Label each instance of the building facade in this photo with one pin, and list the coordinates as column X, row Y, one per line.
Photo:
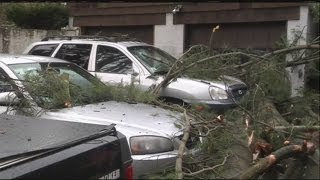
column 175, row 27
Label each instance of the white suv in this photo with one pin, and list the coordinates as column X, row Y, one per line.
column 144, row 65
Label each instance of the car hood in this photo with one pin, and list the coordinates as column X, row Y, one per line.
column 130, row 119
column 196, row 89
column 222, row 82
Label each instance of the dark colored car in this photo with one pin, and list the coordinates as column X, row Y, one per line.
column 49, row 149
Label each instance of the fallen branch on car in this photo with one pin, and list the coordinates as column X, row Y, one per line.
column 178, row 67
column 186, row 132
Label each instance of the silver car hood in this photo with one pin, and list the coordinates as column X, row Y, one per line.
column 223, row 81
column 195, row 89
column 130, row 119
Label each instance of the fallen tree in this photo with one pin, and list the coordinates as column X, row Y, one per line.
column 274, row 133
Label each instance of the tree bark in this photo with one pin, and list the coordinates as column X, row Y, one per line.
column 179, row 172
column 265, row 163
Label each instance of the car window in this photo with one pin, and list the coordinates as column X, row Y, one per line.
column 111, row 60
column 43, row 49
column 69, row 81
column 75, row 53
column 5, row 85
column 22, row 70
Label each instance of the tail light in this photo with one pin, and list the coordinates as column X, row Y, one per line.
column 128, row 172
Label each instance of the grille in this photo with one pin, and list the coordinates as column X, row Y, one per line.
column 192, row 141
column 238, row 90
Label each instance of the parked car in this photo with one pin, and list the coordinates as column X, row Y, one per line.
column 35, row 148
column 142, row 64
column 151, row 131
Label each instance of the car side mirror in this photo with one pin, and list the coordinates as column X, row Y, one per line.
column 8, row 98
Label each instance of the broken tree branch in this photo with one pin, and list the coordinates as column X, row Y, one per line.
column 290, row 49
column 298, row 128
column 296, row 63
column 288, row 151
column 178, row 168
column 208, row 169
column 270, row 114
column 178, row 68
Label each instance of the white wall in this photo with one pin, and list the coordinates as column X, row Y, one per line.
column 169, row 37
column 15, row 40
column 297, row 73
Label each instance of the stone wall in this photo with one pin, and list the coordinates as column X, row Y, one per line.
column 14, row 40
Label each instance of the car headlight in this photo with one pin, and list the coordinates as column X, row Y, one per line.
column 141, row 145
column 217, row 93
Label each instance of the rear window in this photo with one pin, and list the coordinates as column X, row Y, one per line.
column 75, row 53
column 43, row 49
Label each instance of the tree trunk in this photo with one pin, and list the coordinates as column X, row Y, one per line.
column 288, row 151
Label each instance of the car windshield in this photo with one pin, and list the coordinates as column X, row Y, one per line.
column 54, row 85
column 154, row 59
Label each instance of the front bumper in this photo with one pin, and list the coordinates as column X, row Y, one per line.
column 144, row 165
column 217, row 105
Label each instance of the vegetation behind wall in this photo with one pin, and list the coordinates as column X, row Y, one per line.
column 48, row 16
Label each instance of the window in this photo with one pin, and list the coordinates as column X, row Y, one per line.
column 43, row 50
column 79, row 87
column 154, row 59
column 5, row 86
column 75, row 53
column 112, row 60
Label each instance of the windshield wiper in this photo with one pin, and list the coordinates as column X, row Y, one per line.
column 150, row 57
column 7, row 162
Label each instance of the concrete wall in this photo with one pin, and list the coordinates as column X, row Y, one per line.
column 297, row 73
column 14, row 40
column 169, row 37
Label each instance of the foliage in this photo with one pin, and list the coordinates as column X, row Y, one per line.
column 52, row 91
column 266, row 75
column 270, row 74
column 37, row 15
column 315, row 10
column 130, row 94
column 299, row 109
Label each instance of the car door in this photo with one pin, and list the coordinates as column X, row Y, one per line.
column 112, row 66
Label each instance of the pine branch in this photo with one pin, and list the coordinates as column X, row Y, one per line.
column 207, row 169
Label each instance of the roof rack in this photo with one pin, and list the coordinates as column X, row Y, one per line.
column 95, row 38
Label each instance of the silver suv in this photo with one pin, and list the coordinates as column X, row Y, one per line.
column 139, row 63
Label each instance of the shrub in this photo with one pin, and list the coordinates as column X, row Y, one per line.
column 47, row 16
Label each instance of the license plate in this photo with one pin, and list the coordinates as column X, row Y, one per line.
column 113, row 175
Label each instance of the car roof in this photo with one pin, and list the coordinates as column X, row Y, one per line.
column 122, row 43
column 18, row 128
column 19, row 59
